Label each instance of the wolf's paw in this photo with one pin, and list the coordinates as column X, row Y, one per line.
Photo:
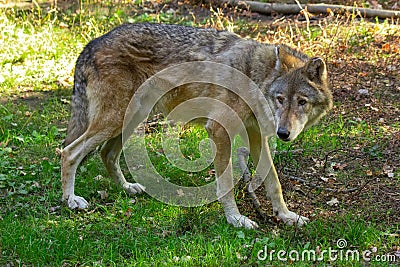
column 291, row 218
column 241, row 221
column 77, row 202
column 135, row 188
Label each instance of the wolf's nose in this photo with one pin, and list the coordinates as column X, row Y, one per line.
column 283, row 133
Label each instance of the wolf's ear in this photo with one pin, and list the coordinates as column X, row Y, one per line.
column 315, row 70
column 287, row 58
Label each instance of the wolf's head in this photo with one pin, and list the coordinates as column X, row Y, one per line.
column 300, row 95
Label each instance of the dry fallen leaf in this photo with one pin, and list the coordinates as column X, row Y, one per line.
column 333, row 202
column 388, row 170
column 99, row 178
column 103, row 194
column 325, row 179
column 386, row 47
column 53, row 209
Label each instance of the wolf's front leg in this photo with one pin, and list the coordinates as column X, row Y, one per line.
column 261, row 155
column 274, row 192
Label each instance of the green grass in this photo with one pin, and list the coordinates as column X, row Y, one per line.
column 37, row 55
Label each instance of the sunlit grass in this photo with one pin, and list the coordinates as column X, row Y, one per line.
column 38, row 51
column 35, row 58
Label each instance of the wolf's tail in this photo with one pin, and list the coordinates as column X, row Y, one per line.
column 79, row 107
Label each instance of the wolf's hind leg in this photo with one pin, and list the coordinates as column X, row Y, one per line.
column 110, row 154
column 223, row 167
column 71, row 157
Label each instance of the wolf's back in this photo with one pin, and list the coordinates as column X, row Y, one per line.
column 142, row 49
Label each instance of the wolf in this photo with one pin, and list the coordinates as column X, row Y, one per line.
column 112, row 67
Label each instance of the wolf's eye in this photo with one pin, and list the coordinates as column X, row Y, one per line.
column 302, row 102
column 280, row 99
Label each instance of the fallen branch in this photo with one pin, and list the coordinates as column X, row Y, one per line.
column 243, row 155
column 288, row 9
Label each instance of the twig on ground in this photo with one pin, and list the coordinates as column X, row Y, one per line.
column 243, row 155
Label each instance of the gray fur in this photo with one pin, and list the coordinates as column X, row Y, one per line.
column 112, row 67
